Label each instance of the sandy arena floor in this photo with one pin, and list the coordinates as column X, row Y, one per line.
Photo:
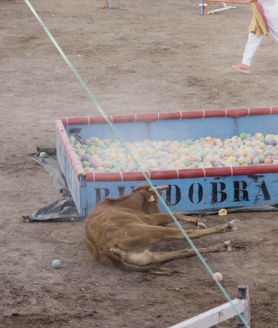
column 140, row 56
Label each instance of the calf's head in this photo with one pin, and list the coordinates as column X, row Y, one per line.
column 145, row 199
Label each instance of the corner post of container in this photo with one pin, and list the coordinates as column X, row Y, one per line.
column 243, row 294
column 83, row 195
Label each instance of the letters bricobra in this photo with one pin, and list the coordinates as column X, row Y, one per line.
column 205, row 193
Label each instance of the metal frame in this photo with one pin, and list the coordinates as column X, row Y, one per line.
column 204, row 5
column 222, row 313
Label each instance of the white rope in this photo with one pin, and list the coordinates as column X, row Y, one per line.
column 157, row 116
column 67, row 121
column 248, row 112
column 177, row 174
column 204, row 115
column 226, row 113
column 135, row 118
column 204, row 172
column 88, row 120
column 94, row 176
column 232, row 172
column 111, row 118
column 181, row 115
column 121, row 176
column 270, row 110
column 149, row 174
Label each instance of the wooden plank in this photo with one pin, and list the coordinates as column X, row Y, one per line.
column 213, row 316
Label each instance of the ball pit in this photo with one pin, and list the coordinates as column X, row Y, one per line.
column 111, row 156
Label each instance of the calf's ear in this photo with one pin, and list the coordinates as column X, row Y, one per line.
column 152, row 199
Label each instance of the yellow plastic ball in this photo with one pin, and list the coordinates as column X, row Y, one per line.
column 247, row 150
column 241, row 160
column 269, row 136
column 172, row 149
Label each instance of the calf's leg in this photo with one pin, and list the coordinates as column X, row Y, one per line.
column 162, row 219
column 141, row 237
column 155, row 259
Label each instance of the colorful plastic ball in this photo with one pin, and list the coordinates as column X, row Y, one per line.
column 255, row 161
column 89, row 151
column 93, row 165
column 43, row 154
column 267, row 153
column 247, row 161
column 56, row 264
column 241, row 160
column 242, row 136
column 191, row 158
column 267, row 161
column 85, row 157
column 85, row 164
column 272, row 142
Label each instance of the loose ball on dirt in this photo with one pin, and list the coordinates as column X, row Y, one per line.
column 43, row 154
column 56, row 264
column 218, row 276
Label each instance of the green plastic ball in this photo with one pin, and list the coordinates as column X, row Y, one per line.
column 242, row 136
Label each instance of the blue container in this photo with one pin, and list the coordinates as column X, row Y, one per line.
column 189, row 189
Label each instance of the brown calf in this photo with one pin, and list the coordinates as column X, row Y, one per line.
column 121, row 231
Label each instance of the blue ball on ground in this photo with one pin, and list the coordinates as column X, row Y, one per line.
column 56, row 264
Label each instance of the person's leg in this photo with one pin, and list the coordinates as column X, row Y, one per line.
column 250, row 48
column 273, row 25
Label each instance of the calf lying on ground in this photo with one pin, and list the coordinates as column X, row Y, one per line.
column 121, row 231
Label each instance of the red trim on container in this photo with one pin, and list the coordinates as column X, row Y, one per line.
column 184, row 174
column 72, row 156
column 150, row 117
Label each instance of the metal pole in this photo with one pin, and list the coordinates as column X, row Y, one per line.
column 202, row 7
column 243, row 294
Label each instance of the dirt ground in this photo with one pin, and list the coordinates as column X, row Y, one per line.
column 140, row 56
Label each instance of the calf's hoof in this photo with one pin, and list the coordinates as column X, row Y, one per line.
column 121, row 254
column 230, row 226
column 201, row 225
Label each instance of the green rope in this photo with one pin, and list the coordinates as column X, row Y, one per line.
column 145, row 176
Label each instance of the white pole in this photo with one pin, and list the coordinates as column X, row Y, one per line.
column 213, row 316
